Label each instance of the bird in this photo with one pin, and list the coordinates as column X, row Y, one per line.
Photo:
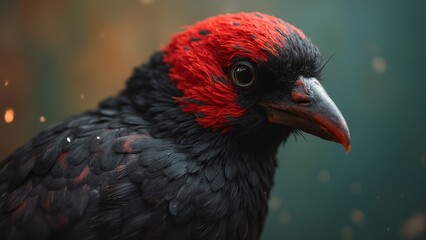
column 187, row 150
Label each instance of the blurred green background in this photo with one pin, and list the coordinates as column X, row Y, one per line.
column 58, row 58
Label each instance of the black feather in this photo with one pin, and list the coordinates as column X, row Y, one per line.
column 141, row 168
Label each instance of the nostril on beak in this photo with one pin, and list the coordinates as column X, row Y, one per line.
column 301, row 98
column 300, row 94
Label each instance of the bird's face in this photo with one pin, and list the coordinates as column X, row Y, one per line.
column 249, row 71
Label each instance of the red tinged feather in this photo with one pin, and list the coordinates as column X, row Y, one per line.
column 49, row 201
column 208, row 93
column 62, row 221
column 62, row 160
column 81, row 176
column 130, row 144
column 19, row 211
column 24, row 212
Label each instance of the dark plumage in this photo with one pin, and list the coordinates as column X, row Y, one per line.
column 186, row 151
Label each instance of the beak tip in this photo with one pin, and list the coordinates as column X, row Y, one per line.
column 346, row 142
column 347, row 147
column 344, row 136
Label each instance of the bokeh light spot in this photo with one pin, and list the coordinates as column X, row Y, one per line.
column 274, row 203
column 284, row 217
column 423, row 160
column 9, row 115
column 357, row 216
column 346, row 233
column 414, row 227
column 379, row 64
column 324, row 176
column 42, row 119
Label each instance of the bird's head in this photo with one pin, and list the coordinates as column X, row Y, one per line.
column 249, row 72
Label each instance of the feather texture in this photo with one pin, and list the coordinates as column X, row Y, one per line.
column 179, row 154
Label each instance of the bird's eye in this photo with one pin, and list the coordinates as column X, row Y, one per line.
column 243, row 74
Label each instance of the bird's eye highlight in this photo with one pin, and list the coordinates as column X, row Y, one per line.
column 243, row 74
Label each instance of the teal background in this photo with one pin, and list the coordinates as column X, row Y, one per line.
column 62, row 57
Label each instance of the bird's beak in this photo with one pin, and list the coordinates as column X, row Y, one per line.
column 310, row 109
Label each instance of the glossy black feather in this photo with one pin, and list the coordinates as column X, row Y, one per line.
column 139, row 168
